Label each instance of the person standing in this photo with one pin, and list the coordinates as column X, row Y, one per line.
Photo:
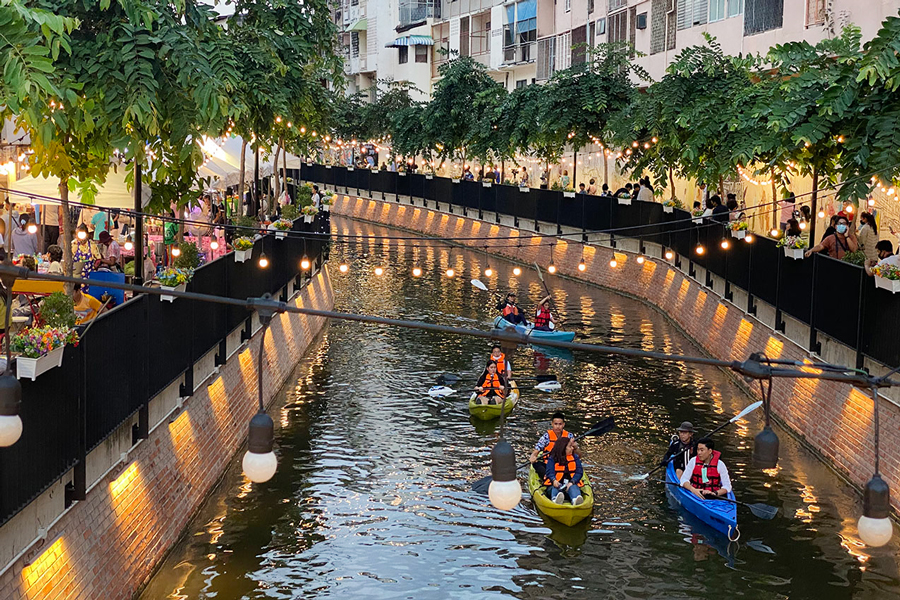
column 646, row 193
column 592, row 187
column 50, row 220
column 867, row 234
column 23, row 241
column 842, row 241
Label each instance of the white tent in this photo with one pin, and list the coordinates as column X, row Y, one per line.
column 112, row 194
column 224, row 163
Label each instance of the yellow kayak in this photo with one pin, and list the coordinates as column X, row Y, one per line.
column 566, row 513
column 486, row 412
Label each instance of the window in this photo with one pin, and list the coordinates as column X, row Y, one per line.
column 716, row 10
column 403, row 57
column 421, row 54
column 579, row 39
column 671, row 24
column 354, row 44
column 464, row 36
column 632, row 32
column 520, row 83
column 590, row 6
column 618, row 27
column 658, row 26
column 735, row 8
column 692, row 12
column 616, row 4
column 601, row 26
column 815, row 12
column 762, row 15
column 526, row 21
column 564, row 51
column 568, row 5
column 592, row 34
column 545, row 66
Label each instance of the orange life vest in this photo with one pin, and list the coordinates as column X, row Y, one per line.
column 510, row 309
column 565, row 471
column 501, row 362
column 713, row 481
column 552, row 435
column 492, row 382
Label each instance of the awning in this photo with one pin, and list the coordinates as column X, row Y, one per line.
column 360, row 25
column 411, row 40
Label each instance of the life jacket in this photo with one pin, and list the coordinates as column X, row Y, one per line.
column 553, row 437
column 492, row 382
column 510, row 309
column 565, row 471
column 542, row 318
column 713, row 481
column 501, row 363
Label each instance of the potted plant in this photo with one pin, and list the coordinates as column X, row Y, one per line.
column 173, row 279
column 40, row 349
column 189, row 258
column 624, row 199
column 309, row 213
column 290, row 212
column 328, row 200
column 670, row 205
column 793, row 245
column 282, row 226
column 738, row 229
column 697, row 216
column 887, row 277
column 243, row 248
column 58, row 310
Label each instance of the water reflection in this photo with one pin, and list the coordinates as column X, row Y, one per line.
column 372, row 493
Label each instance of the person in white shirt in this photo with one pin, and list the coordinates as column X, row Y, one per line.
column 705, row 475
column 886, row 256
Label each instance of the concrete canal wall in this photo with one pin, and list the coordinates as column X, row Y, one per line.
column 141, row 497
column 835, row 420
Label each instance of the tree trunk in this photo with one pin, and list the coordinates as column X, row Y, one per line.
column 256, row 199
column 605, row 167
column 574, row 168
column 138, row 278
column 67, row 229
column 814, row 208
column 179, row 237
column 240, row 206
column 774, row 200
column 284, row 166
column 277, row 182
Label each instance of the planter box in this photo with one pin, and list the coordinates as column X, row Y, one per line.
column 242, row 255
column 795, row 253
column 327, row 166
column 308, row 218
column 177, row 288
column 624, row 201
column 891, row 285
column 429, row 176
column 523, row 188
column 568, row 194
column 280, row 235
column 485, row 184
column 375, row 170
column 31, row 368
column 455, row 180
column 326, row 207
column 350, row 169
column 697, row 220
column 739, row 234
column 668, row 209
column 401, row 174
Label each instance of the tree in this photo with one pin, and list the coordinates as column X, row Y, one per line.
column 524, row 122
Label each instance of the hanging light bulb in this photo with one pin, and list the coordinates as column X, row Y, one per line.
column 821, row 214
column 176, row 251
column 505, row 492
column 765, row 449
column 417, row 272
column 725, row 244
column 774, row 232
column 129, row 246
column 10, row 421
column 749, row 238
column 551, row 269
column 582, row 266
column 32, row 228
column 450, row 273
column 379, row 271
column 874, row 526
column 214, row 245
column 81, row 235
column 517, row 271
column 871, row 201
column 263, row 260
column 304, row 262
column 259, row 463
column 640, row 259
column 803, row 225
column 613, row 263
column 849, row 209
column 700, row 250
column 489, row 272
column 343, row 268
column 669, row 255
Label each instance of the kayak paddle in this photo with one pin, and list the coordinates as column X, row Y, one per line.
column 763, row 511
column 747, row 410
column 452, row 378
column 481, row 486
column 479, row 285
column 441, row 391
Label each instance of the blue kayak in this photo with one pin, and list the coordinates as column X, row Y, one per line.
column 537, row 334
column 718, row 514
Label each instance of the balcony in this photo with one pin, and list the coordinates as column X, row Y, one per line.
column 416, row 11
column 520, row 53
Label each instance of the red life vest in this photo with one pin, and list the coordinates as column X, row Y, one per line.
column 714, row 481
column 510, row 309
column 501, row 363
column 492, row 382
column 542, row 318
column 565, row 471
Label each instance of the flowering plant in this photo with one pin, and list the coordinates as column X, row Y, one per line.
column 309, row 211
column 243, row 243
column 625, row 196
column 887, row 271
column 795, row 242
column 173, row 277
column 670, row 202
column 282, row 225
column 35, row 342
column 738, row 225
column 328, row 197
column 697, row 212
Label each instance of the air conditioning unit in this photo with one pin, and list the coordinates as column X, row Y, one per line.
column 641, row 22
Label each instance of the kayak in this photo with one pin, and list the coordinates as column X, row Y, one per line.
column 566, row 513
column 718, row 514
column 530, row 331
column 486, row 412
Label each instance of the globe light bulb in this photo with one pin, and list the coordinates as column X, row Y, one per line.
column 803, row 225
column 505, row 495
column 517, row 271
column 669, row 255
column 505, row 492
column 417, row 272
column 849, row 209
column 774, row 232
column 821, row 214
column 582, row 266
column 489, row 272
column 551, row 269
column 640, row 259
column 450, row 273
column 10, row 430
column 214, row 245
column 32, row 228
column 874, row 532
column 700, row 250
column 263, row 260
column 749, row 238
column 379, row 271
column 871, row 201
column 343, row 268
column 82, row 235
column 129, row 246
column 613, row 263
column 259, row 468
column 725, row 244
column 304, row 263
column 176, row 251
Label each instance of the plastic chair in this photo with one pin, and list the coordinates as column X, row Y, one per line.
column 97, row 291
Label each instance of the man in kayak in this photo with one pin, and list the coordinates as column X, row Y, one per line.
column 705, row 475
column 491, row 386
column 498, row 357
column 510, row 311
column 543, row 317
column 681, row 448
column 556, row 432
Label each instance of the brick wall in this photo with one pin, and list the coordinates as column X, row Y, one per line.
column 108, row 545
column 834, row 419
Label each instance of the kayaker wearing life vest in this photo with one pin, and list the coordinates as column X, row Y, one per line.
column 543, row 317
column 509, row 310
column 565, row 473
column 681, row 448
column 498, row 357
column 705, row 475
column 491, row 386
column 548, row 442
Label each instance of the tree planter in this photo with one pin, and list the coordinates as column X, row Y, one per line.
column 242, row 255
column 308, row 218
column 891, row 285
column 280, row 235
column 485, row 184
column 625, row 201
column 568, row 194
column 697, row 220
column 178, row 288
column 31, row 368
column 668, row 209
column 739, row 234
column 795, row 253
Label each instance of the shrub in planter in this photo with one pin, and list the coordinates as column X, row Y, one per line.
column 282, row 225
column 290, row 211
column 794, row 242
column 58, row 310
column 857, row 257
column 173, row 276
column 248, row 225
column 189, row 257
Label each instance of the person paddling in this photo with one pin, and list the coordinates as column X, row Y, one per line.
column 565, row 474
column 510, row 311
column 705, row 475
column 681, row 448
column 491, row 386
column 547, row 442
column 497, row 356
column 543, row 317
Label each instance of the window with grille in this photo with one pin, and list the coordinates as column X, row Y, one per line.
column 716, row 10
column 564, row 51
column 403, row 55
column 520, row 83
column 421, row 54
column 632, row 31
column 545, row 58
column 762, row 15
column 617, row 4
column 592, row 34
column 618, row 27
column 692, row 12
column 658, row 26
column 671, row 24
column 815, row 12
column 464, row 36
column 579, row 39
column 354, row 43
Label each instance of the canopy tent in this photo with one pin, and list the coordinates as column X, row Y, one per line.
column 359, row 25
column 224, row 162
column 112, row 194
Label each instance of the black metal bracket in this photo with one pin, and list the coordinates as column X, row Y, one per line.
column 222, row 352
column 751, row 305
column 729, row 295
column 779, row 321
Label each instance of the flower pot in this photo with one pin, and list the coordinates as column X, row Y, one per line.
column 738, row 234
column 485, row 184
column 454, row 180
column 568, row 194
column 697, row 220
column 280, row 235
column 668, row 209
column 242, row 255
column 625, row 201
column 891, row 285
column 326, row 207
column 178, row 288
column 308, row 218
column 429, row 176
column 795, row 253
column 31, row 368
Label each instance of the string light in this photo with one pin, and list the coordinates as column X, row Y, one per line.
column 803, row 225
column 304, row 263
column 450, row 273
column 129, row 246
column 849, row 208
column 749, row 238
column 725, row 244
column 613, row 263
column 176, row 251
column 774, row 232
column 871, row 201
column 343, row 268
column 582, row 266
column 517, row 271
column 81, row 235
column 417, row 272
column 379, row 271
column 551, row 269
column 32, row 228
column 821, row 214
column 640, row 259
column 700, row 250
column 213, row 245
column 669, row 255
column 746, row 177
column 488, row 272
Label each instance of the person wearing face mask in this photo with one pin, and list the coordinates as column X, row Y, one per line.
column 842, row 241
column 867, row 235
column 886, row 257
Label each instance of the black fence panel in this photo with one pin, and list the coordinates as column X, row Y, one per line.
column 167, row 322
column 795, row 286
column 546, row 205
column 330, row 176
column 572, row 210
column 403, row 187
column 597, row 213
column 651, row 216
column 763, row 282
column 716, row 255
column 837, row 306
column 441, row 189
column 488, row 197
column 210, row 320
column 506, row 199
column 469, row 194
column 525, row 205
column 881, row 316
column 417, row 187
column 737, row 267
column 363, row 179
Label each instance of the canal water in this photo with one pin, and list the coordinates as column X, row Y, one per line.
column 372, row 495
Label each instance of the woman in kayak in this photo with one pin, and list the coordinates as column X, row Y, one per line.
column 491, row 386
column 498, row 357
column 564, row 474
column 543, row 317
column 510, row 311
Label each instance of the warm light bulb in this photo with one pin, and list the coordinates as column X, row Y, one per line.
column 849, row 208
column 450, row 272
column 214, row 245
column 32, row 228
column 551, row 269
column 613, row 263
column 263, row 260
column 875, row 532
column 304, row 264
column 700, row 249
column 582, row 266
column 417, row 272
column 129, row 246
column 379, row 271
column 505, row 495
column 517, row 271
column 82, row 235
column 748, row 238
column 803, row 225
column 343, row 268
column 640, row 259
column 10, row 430
column 176, row 251
column 821, row 214
column 871, row 201
column 725, row 244
column 259, row 468
column 489, row 272
column 774, row 233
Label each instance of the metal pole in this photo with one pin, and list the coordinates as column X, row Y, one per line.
column 138, row 277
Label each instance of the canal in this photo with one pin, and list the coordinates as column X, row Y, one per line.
column 372, row 499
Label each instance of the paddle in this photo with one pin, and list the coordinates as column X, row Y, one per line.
column 763, row 511
column 452, row 378
column 442, row 391
column 481, row 486
column 747, row 410
column 546, row 289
